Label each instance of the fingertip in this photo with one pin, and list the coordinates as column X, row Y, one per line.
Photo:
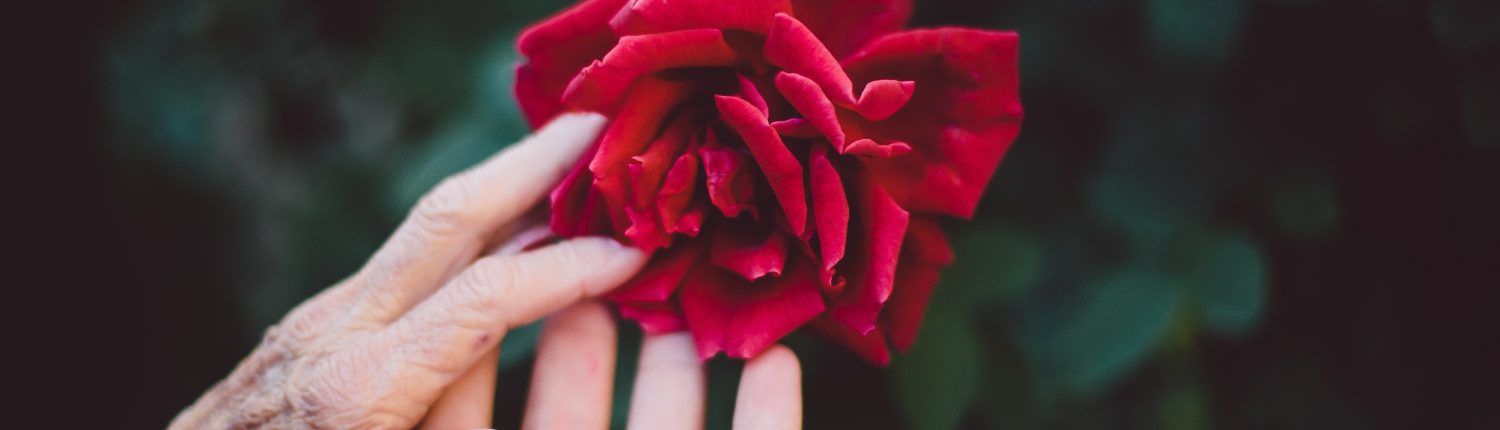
column 579, row 127
column 613, row 256
column 777, row 362
column 592, row 264
column 770, row 393
column 670, row 384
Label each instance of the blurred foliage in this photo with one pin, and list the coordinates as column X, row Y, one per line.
column 1180, row 162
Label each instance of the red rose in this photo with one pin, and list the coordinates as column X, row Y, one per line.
column 785, row 159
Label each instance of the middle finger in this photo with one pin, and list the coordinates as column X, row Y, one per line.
column 574, row 375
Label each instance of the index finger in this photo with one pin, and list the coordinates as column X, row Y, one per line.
column 450, row 225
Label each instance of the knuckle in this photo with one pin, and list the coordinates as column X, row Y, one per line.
column 489, row 281
column 446, row 209
column 342, row 392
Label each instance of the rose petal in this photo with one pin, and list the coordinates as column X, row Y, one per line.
column 958, row 126
column 676, row 196
column 875, row 249
column 741, row 318
column 637, row 123
column 654, row 16
column 575, row 202
column 796, row 127
column 882, row 98
column 923, row 257
column 753, row 251
column 869, row 346
column 662, row 275
column 645, row 229
column 614, row 191
column 752, row 94
column 691, row 221
column 602, row 82
column 728, row 178
column 654, row 318
column 771, row 154
column 648, row 170
column 555, row 50
column 830, row 211
column 869, row 148
column 809, row 100
column 847, row 25
column 793, row 47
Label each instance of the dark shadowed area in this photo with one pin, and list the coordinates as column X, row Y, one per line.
column 1241, row 214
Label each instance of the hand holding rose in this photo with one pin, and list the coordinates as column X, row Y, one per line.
column 412, row 338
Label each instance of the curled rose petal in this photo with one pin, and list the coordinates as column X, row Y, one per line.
column 728, row 178
column 793, row 47
column 602, row 82
column 655, row 16
column 648, row 170
column 795, row 127
column 575, row 203
column 750, row 250
column 675, row 200
column 846, row 25
column 869, row 148
column 645, row 230
column 958, row 126
column 809, row 100
column 882, row 98
column 871, row 267
column 777, row 162
column 830, row 211
column 637, row 123
column 751, row 94
column 923, row 257
column 660, row 278
column 871, row 346
column 556, row 49
column 741, row 318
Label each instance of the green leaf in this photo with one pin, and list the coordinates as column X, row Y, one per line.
column 1117, row 322
column 992, row 263
column 935, row 382
column 1007, row 398
column 1228, row 273
column 1165, row 166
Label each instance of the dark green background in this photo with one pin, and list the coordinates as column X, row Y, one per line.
column 1255, row 214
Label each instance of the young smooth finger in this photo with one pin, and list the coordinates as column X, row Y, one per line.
column 451, row 224
column 575, row 370
column 770, row 396
column 670, row 385
column 468, row 403
column 450, row 330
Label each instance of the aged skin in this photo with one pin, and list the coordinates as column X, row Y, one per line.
column 412, row 338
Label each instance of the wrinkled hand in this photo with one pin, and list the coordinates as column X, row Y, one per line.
column 413, row 337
